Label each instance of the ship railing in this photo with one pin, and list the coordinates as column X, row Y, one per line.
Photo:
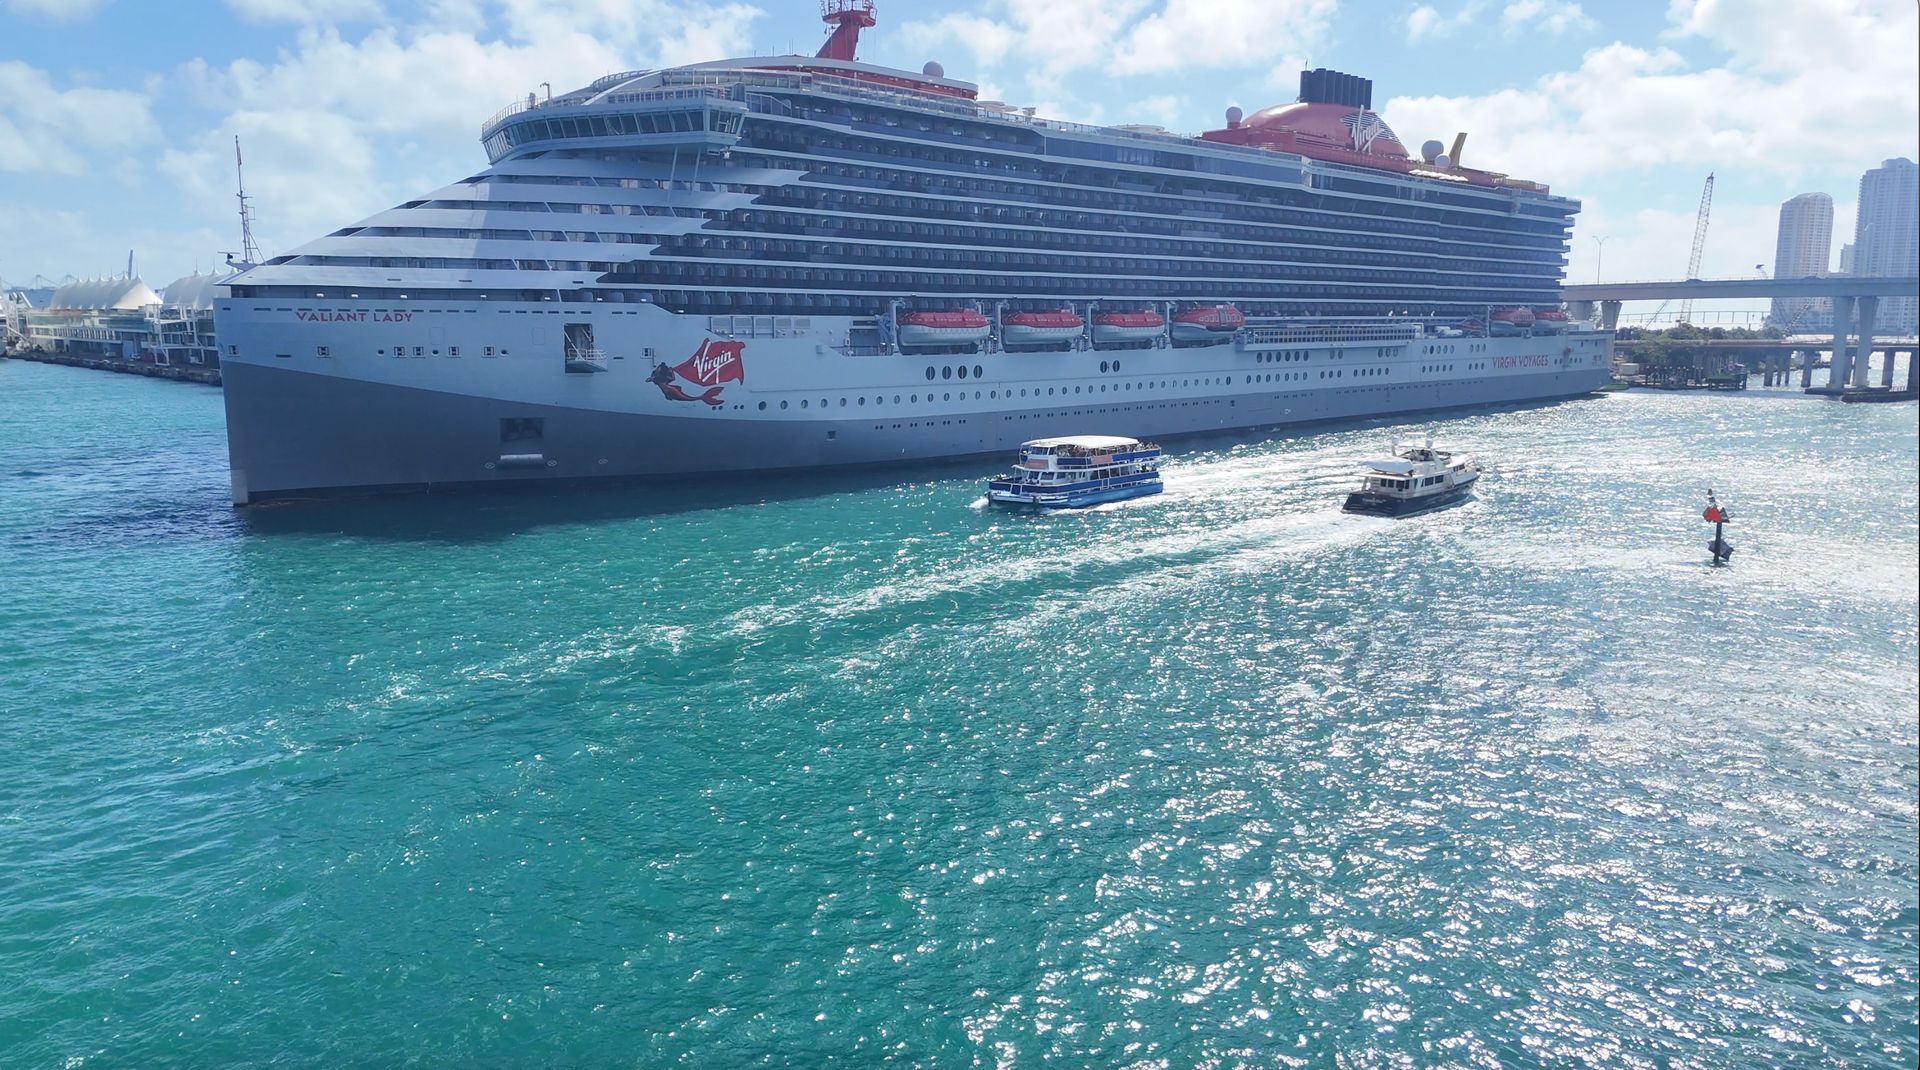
column 1276, row 337
column 586, row 360
column 606, row 82
column 637, row 97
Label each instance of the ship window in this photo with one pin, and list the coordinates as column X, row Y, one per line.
column 763, row 406
column 946, row 397
column 803, row 403
column 963, row 371
column 896, row 399
column 929, row 371
column 1116, row 365
column 976, row 371
column 843, row 402
column 1103, row 366
column 783, row 404
column 946, row 373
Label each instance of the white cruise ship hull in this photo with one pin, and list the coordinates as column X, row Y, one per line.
column 318, row 403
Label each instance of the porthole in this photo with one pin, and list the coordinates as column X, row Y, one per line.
column 976, row 371
column 763, row 406
column 896, row 399
column 992, row 395
column 946, row 397
column 803, row 403
column 963, row 371
column 1049, row 391
column 823, row 402
column 1103, row 367
column 946, row 373
column 783, row 404
column 843, row 401
column 1076, row 390
column 915, row 399
column 1116, row 366
column 929, row 371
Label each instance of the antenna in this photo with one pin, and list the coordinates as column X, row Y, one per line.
column 1699, row 245
column 249, row 252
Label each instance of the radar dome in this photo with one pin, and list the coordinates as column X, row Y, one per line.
column 1234, row 115
column 1431, row 149
column 933, row 69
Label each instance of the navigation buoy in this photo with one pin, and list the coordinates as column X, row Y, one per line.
column 1718, row 516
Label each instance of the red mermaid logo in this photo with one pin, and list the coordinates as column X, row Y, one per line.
column 713, row 364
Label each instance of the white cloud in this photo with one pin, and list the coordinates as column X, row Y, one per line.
column 57, row 9
column 1514, row 19
column 339, row 128
column 1554, row 16
column 1184, row 34
column 1055, row 37
column 1854, row 95
column 307, row 12
column 43, row 128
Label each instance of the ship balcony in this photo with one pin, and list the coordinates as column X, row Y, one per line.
column 586, row 361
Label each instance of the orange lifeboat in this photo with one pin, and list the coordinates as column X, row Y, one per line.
column 1510, row 321
column 1039, row 328
column 1211, row 323
column 1137, row 326
column 1549, row 321
column 954, row 327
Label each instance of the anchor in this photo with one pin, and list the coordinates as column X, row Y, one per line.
column 1718, row 516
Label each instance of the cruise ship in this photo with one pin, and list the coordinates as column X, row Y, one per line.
column 807, row 261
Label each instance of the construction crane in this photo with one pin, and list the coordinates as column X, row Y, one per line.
column 1699, row 245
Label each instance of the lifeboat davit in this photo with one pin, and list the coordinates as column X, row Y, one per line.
column 956, row 327
column 1549, row 321
column 1137, row 326
column 1037, row 328
column 1213, row 323
column 1510, row 321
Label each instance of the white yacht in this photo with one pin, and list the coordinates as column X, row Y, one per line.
column 1413, row 480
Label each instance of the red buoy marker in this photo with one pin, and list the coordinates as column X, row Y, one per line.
column 1718, row 516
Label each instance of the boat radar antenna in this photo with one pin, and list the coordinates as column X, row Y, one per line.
column 249, row 251
column 848, row 18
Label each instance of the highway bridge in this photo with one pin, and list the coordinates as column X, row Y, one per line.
column 1856, row 306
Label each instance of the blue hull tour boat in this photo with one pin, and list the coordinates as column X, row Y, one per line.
column 1077, row 471
column 1413, row 480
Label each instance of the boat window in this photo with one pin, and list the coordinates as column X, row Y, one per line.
column 783, row 404
column 763, row 406
column 946, row 373
column 1116, row 365
column 976, row 371
column 803, row 403
column 929, row 371
column 963, row 371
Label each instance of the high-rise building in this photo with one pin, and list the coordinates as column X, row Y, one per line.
column 1804, row 248
column 1846, row 259
column 1886, row 237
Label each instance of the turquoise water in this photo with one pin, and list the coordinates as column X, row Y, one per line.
column 850, row 770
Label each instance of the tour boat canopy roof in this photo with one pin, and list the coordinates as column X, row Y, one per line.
column 1396, row 466
column 1085, row 442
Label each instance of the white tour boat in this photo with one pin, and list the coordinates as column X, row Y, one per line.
column 1079, row 470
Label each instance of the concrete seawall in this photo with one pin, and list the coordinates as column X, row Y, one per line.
column 186, row 373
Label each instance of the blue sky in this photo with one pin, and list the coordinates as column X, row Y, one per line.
column 117, row 118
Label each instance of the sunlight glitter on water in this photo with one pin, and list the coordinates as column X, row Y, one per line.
column 844, row 767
